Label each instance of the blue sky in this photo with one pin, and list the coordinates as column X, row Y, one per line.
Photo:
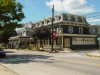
column 36, row 10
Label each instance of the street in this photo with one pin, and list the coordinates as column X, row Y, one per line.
column 43, row 63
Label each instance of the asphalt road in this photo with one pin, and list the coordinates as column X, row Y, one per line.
column 41, row 63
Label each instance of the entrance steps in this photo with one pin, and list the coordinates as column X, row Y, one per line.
column 67, row 50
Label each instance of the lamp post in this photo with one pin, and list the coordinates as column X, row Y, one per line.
column 52, row 26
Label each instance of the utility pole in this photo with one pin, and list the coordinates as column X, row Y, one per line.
column 52, row 26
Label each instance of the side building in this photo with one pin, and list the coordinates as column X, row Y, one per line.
column 24, row 37
column 72, row 31
column 96, row 31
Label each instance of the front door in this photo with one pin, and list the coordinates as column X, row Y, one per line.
column 66, row 42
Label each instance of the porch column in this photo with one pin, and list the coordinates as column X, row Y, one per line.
column 54, row 42
column 48, row 41
column 62, row 41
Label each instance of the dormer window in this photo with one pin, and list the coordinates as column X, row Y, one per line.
column 66, row 18
column 72, row 19
column 59, row 17
column 38, row 24
column 42, row 23
column 80, row 19
column 48, row 21
column 84, row 20
column 53, row 19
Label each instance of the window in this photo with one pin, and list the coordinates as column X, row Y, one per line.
column 65, row 17
column 42, row 23
column 92, row 31
column 53, row 19
column 47, row 21
column 72, row 19
column 70, row 29
column 59, row 30
column 38, row 24
column 80, row 30
column 59, row 17
column 80, row 19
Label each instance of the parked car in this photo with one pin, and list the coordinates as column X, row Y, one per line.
column 2, row 53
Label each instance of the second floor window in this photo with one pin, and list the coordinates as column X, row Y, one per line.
column 70, row 29
column 80, row 30
column 72, row 19
column 80, row 19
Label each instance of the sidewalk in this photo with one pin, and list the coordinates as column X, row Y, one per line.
column 94, row 54
column 6, row 71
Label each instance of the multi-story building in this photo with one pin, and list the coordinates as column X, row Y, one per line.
column 27, row 29
column 72, row 31
column 24, row 36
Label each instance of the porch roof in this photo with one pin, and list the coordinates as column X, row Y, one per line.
column 18, row 37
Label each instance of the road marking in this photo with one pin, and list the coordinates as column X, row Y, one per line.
column 80, row 62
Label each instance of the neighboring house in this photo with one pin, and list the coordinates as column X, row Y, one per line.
column 27, row 29
column 96, row 30
column 25, row 32
column 72, row 31
column 24, row 37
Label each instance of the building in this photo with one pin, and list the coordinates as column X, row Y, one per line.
column 72, row 31
column 96, row 30
column 24, row 37
column 27, row 29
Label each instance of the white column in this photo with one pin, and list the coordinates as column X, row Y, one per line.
column 48, row 41
column 62, row 41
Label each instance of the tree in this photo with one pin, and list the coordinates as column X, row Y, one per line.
column 41, row 34
column 11, row 14
column 6, row 34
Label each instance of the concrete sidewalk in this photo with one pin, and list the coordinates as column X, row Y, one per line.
column 94, row 54
column 5, row 71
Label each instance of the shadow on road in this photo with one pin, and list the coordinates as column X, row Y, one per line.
column 9, row 51
column 17, row 59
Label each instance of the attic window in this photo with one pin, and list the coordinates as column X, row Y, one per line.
column 59, row 17
column 53, row 19
column 72, row 18
column 48, row 21
column 80, row 19
column 66, row 18
column 38, row 24
column 42, row 22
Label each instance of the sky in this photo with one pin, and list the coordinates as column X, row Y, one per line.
column 36, row 10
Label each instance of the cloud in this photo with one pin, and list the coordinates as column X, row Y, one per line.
column 93, row 20
column 71, row 6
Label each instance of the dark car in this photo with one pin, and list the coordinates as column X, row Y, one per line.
column 2, row 53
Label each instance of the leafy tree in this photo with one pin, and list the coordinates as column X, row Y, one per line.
column 41, row 34
column 6, row 34
column 11, row 14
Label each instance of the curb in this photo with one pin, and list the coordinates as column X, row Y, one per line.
column 92, row 55
column 9, row 69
